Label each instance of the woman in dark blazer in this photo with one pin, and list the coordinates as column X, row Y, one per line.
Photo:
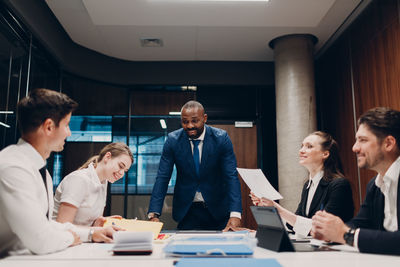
column 325, row 189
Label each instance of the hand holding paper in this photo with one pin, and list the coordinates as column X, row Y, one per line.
column 258, row 183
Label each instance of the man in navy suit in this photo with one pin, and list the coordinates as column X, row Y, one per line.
column 207, row 193
column 375, row 229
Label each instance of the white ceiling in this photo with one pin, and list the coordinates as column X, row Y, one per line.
column 196, row 30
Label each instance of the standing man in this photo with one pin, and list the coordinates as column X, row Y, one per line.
column 375, row 229
column 26, row 188
column 207, row 193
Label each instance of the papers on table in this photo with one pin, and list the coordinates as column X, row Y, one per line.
column 133, row 243
column 133, row 225
column 258, row 183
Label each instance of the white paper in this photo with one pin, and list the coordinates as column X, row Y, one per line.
column 132, row 237
column 258, row 183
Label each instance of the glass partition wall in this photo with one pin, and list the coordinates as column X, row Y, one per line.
column 105, row 112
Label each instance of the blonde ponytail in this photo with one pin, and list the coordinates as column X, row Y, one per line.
column 90, row 160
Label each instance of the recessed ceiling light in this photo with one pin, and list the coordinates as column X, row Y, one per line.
column 151, row 42
column 231, row 0
column 163, row 124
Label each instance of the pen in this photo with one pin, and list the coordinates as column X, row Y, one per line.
column 322, row 206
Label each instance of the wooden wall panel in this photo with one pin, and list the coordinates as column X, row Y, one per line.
column 160, row 102
column 336, row 108
column 376, row 63
column 96, row 98
column 244, row 142
column 368, row 53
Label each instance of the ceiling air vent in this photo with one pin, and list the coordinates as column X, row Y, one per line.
column 151, row 42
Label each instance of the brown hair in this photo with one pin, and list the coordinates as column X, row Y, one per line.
column 332, row 164
column 116, row 149
column 42, row 104
column 382, row 121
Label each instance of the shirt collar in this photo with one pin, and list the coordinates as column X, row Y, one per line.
column 391, row 175
column 201, row 137
column 28, row 150
column 93, row 173
column 315, row 180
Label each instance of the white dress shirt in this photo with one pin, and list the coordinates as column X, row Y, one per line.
column 388, row 186
column 24, row 203
column 303, row 225
column 198, row 197
column 82, row 189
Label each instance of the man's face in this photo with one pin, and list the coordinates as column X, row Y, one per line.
column 60, row 134
column 368, row 148
column 193, row 121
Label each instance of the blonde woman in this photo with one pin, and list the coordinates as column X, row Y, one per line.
column 81, row 196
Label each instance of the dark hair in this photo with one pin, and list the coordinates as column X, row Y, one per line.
column 382, row 121
column 116, row 149
column 332, row 164
column 42, row 104
column 192, row 104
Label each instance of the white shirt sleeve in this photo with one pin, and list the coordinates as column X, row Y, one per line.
column 22, row 202
column 302, row 226
column 355, row 242
column 74, row 190
column 81, row 231
column 236, row 214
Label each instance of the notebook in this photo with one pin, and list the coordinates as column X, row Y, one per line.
column 132, row 243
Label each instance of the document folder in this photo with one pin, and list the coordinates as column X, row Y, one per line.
column 217, row 245
column 242, row 262
column 209, row 250
column 132, row 225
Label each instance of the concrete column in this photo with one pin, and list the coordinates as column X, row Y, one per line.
column 295, row 109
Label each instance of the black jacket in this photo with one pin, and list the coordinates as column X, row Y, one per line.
column 373, row 238
column 334, row 196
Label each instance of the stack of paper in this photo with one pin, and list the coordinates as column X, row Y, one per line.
column 139, row 243
column 132, row 225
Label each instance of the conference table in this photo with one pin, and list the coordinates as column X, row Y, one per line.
column 100, row 255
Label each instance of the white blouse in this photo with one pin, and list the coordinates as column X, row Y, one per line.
column 82, row 188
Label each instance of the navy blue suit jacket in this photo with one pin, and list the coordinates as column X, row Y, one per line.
column 218, row 181
column 373, row 238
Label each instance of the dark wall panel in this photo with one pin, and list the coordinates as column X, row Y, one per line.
column 367, row 59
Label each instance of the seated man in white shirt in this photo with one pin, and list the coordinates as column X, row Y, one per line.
column 375, row 229
column 26, row 189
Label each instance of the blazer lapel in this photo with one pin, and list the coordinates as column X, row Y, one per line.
column 398, row 201
column 304, row 198
column 207, row 149
column 186, row 152
column 318, row 196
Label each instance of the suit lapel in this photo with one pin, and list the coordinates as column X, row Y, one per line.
column 304, row 197
column 186, row 151
column 318, row 196
column 207, row 149
column 398, row 201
